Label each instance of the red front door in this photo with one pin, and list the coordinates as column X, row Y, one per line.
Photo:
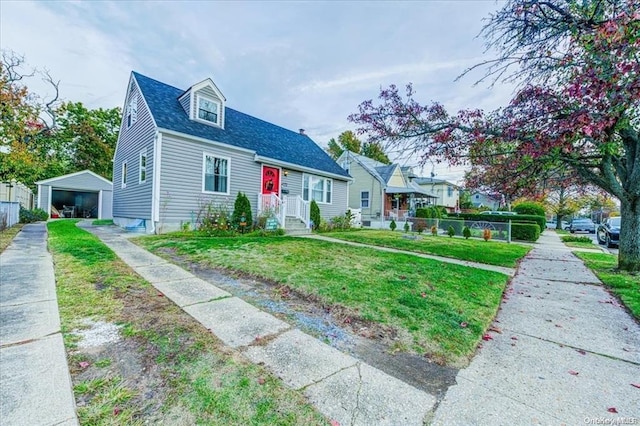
column 270, row 180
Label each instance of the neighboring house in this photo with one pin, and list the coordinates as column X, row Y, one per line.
column 81, row 194
column 382, row 192
column 447, row 193
column 488, row 201
column 180, row 151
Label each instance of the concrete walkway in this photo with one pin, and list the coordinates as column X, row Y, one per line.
column 563, row 352
column 35, row 385
column 503, row 270
column 340, row 386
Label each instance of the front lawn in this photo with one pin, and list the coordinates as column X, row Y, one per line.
column 438, row 309
column 489, row 252
column 7, row 235
column 165, row 368
column 625, row 285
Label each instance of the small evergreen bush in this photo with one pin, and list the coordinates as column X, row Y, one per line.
column 314, row 214
column 393, row 225
column 466, row 232
column 242, row 206
column 451, row 232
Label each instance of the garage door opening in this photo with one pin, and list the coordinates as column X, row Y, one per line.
column 75, row 203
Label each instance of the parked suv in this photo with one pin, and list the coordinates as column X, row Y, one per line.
column 609, row 232
column 582, row 225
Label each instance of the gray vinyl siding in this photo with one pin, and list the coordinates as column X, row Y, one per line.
column 184, row 101
column 181, row 195
column 80, row 182
column 134, row 201
column 364, row 181
column 338, row 205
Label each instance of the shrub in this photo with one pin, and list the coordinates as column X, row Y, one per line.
column 406, row 227
column 420, row 225
column 451, row 232
column 214, row 220
column 340, row 223
column 486, row 234
column 576, row 239
column 30, row 216
column 530, row 208
column 519, row 218
column 434, row 230
column 393, row 225
column 429, row 213
column 242, row 206
column 525, row 231
column 314, row 214
column 466, row 232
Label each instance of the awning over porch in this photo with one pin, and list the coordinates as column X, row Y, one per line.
column 416, row 191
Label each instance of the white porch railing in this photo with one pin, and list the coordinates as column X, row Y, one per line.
column 298, row 208
column 288, row 206
column 273, row 205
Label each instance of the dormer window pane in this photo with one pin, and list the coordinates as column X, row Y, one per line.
column 207, row 110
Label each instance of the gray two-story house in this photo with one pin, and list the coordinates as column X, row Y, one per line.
column 180, row 150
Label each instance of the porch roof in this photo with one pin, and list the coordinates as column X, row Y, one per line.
column 418, row 192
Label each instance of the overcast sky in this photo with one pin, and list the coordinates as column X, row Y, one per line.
column 296, row 64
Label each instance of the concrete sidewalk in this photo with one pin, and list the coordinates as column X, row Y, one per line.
column 563, row 352
column 35, row 385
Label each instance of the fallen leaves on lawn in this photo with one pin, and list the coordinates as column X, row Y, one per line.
column 83, row 364
column 464, row 324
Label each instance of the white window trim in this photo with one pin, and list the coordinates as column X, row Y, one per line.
column 324, row 188
column 368, row 199
column 123, row 174
column 197, row 108
column 204, row 170
column 143, row 153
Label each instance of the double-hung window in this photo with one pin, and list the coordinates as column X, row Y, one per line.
column 208, row 110
column 364, row 199
column 317, row 188
column 142, row 177
column 449, row 191
column 216, row 174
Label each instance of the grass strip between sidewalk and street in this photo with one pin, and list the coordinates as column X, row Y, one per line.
column 164, row 367
column 623, row 284
column 438, row 309
column 488, row 252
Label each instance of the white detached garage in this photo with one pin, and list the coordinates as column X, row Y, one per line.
column 82, row 194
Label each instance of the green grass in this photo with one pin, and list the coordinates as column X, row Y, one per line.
column 102, row 222
column 489, row 252
column 193, row 378
column 425, row 300
column 623, row 284
column 7, row 235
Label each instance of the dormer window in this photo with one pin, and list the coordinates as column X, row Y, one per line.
column 208, row 110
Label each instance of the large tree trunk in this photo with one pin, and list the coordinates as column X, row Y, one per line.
column 629, row 254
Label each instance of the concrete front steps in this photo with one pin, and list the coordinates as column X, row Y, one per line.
column 295, row 226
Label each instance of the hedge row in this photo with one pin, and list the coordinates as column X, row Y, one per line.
column 519, row 218
column 525, row 231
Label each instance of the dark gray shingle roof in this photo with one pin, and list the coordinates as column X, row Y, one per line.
column 240, row 130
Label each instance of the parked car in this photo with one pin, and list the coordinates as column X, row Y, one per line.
column 609, row 232
column 582, row 225
column 551, row 224
column 500, row 213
